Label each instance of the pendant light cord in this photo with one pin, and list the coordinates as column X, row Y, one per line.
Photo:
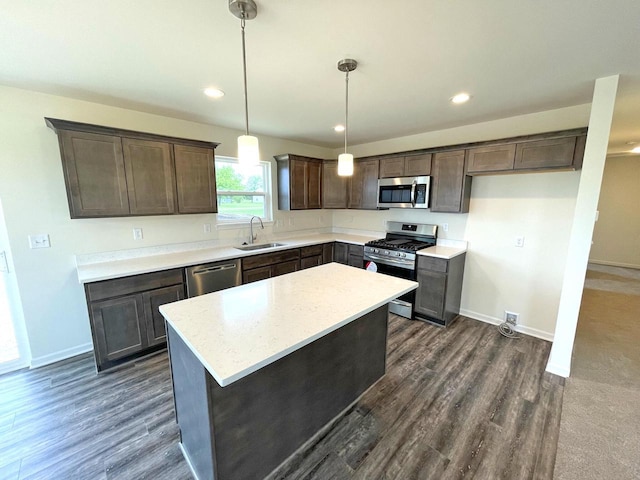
column 346, row 110
column 244, row 69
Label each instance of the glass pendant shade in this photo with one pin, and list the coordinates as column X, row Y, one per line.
column 345, row 164
column 248, row 151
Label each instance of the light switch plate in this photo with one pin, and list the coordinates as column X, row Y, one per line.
column 39, row 241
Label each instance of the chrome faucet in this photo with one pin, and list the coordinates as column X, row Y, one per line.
column 253, row 237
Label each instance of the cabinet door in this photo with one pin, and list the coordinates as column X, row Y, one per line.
column 430, row 296
column 119, row 327
column 557, row 152
column 355, row 261
column 417, row 165
column 95, row 175
column 299, row 184
column 286, row 267
column 256, row 274
column 156, row 333
column 195, row 179
column 150, row 177
column 334, row 187
column 450, row 187
column 495, row 158
column 341, row 253
column 370, row 170
column 392, row 167
column 327, row 253
column 314, row 184
column 356, row 186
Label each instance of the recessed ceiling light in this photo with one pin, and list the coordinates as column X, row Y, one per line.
column 213, row 92
column 460, row 98
column 631, row 143
column 636, row 150
column 339, row 128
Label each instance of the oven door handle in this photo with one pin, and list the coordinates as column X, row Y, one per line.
column 413, row 193
column 390, row 261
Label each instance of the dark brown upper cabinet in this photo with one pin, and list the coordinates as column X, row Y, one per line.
column 299, row 182
column 450, row 186
column 195, row 179
column 494, row 158
column 335, row 189
column 363, row 184
column 535, row 153
column 112, row 172
column 88, row 159
column 150, row 177
column 405, row 166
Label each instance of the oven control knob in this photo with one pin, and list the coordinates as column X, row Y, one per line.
column 404, row 254
column 386, row 252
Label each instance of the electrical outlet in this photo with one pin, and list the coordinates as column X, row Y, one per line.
column 278, row 223
column 290, row 222
column 511, row 317
column 39, row 241
column 137, row 234
column 207, row 228
column 445, row 227
column 519, row 241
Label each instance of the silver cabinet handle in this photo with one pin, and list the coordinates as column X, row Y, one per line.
column 383, row 260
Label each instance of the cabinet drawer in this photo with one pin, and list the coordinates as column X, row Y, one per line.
column 265, row 259
column 432, row 263
column 311, row 251
column 133, row 284
column 356, row 250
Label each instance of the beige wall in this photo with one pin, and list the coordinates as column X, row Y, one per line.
column 616, row 237
column 33, row 196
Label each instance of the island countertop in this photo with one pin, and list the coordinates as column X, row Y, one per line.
column 237, row 331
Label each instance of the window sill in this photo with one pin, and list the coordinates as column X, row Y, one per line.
column 231, row 225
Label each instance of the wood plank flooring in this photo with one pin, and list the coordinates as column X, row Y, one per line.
column 461, row 402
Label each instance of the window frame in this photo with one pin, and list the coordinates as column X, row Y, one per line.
column 267, row 194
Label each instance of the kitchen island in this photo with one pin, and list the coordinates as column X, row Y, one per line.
column 258, row 369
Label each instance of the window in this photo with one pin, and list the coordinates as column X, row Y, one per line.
column 242, row 191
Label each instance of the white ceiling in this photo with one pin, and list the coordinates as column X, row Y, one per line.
column 514, row 57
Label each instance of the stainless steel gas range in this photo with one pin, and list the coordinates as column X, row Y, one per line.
column 396, row 255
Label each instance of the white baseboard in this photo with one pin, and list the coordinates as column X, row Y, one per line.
column 615, row 264
column 559, row 370
column 61, row 355
column 534, row 332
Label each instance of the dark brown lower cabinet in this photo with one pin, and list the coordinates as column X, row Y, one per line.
column 124, row 316
column 356, row 256
column 327, row 252
column 440, row 289
column 267, row 265
column 310, row 256
column 341, row 253
column 156, row 331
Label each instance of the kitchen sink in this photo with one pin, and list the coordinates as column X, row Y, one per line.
column 260, row 246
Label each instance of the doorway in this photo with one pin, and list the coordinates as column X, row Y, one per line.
column 13, row 349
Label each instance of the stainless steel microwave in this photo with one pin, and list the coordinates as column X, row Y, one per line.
column 403, row 192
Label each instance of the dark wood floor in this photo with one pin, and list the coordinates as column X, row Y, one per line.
column 463, row 402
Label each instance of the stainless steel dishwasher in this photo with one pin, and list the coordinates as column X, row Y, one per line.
column 212, row 277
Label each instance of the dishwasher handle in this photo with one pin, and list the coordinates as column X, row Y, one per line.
column 217, row 268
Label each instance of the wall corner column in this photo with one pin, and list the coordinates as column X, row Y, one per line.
column 602, row 107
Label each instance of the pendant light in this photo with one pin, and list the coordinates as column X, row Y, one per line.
column 345, row 160
column 248, row 151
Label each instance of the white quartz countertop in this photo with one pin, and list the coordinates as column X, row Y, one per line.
column 94, row 272
column 237, row 331
column 441, row 251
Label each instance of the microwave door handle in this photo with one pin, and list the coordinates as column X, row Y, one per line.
column 413, row 193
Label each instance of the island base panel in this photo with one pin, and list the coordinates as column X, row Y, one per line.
column 260, row 420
